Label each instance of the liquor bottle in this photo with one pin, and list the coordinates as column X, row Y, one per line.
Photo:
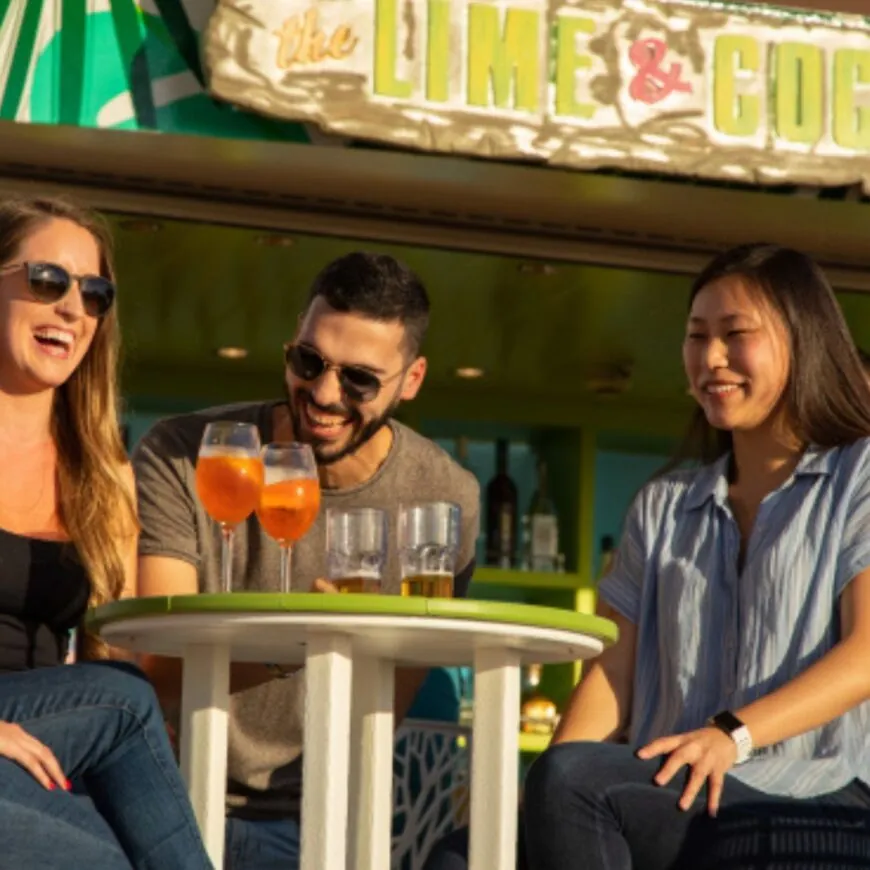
column 462, row 452
column 501, row 513
column 524, row 555
column 544, row 526
column 606, row 563
column 538, row 714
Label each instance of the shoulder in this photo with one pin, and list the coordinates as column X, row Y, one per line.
column 667, row 495
column 430, row 469
column 183, row 432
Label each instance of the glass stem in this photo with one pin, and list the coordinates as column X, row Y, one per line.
column 285, row 567
column 227, row 558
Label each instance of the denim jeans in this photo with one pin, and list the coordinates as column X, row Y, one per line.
column 103, row 723
column 593, row 806
column 262, row 845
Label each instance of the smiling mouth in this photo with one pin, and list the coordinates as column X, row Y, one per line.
column 323, row 425
column 56, row 342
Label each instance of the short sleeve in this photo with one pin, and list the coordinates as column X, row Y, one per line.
column 621, row 588
column 854, row 555
column 167, row 510
column 470, row 528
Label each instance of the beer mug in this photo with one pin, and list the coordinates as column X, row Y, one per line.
column 428, row 548
column 356, row 549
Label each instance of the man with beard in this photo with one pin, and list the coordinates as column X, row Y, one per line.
column 354, row 359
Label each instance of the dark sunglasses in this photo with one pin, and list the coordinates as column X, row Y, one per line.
column 49, row 283
column 358, row 384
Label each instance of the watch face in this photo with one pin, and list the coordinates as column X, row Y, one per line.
column 727, row 721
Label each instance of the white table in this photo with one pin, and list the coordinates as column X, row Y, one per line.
column 350, row 646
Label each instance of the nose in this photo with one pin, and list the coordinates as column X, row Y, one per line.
column 716, row 354
column 72, row 305
column 326, row 390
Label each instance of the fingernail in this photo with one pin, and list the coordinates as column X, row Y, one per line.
column 51, row 786
column 68, row 785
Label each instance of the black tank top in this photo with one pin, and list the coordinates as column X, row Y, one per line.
column 44, row 593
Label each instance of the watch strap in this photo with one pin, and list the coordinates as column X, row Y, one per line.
column 736, row 729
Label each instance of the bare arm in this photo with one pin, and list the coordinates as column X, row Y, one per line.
column 600, row 706
column 163, row 575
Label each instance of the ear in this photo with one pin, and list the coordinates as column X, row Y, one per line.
column 414, row 379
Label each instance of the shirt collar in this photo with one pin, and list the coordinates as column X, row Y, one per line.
column 712, row 480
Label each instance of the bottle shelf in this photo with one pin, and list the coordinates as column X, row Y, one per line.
column 526, row 579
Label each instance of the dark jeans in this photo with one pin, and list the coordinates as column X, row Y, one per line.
column 103, row 723
column 593, row 806
column 262, row 845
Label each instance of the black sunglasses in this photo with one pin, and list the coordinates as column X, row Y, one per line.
column 49, row 283
column 358, row 384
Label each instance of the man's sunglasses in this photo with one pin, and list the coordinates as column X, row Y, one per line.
column 358, row 384
column 49, row 283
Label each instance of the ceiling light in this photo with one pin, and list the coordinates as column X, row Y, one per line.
column 532, row 268
column 232, row 352
column 275, row 241
column 140, row 225
column 469, row 373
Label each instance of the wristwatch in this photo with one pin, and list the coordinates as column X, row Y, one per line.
column 277, row 671
column 729, row 724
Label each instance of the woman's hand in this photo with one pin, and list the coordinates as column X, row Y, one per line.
column 709, row 752
column 33, row 756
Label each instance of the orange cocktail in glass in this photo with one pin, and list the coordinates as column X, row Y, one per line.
column 290, row 498
column 229, row 476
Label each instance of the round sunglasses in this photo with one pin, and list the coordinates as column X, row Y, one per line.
column 358, row 384
column 49, row 283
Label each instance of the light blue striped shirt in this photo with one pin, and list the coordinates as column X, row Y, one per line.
column 711, row 638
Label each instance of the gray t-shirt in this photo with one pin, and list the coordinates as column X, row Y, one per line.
column 265, row 736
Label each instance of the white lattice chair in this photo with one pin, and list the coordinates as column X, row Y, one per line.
column 431, row 769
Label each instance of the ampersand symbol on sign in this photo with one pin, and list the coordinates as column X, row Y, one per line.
column 653, row 83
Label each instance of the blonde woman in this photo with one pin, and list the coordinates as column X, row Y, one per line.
column 68, row 535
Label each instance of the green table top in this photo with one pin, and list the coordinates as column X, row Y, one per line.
column 354, row 605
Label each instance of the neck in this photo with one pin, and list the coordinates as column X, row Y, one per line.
column 764, row 458
column 350, row 471
column 25, row 418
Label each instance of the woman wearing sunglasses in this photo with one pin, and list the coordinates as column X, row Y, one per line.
column 67, row 539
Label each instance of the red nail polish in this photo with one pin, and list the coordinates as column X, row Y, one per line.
column 68, row 785
column 51, row 786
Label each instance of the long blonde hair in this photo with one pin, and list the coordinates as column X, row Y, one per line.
column 94, row 501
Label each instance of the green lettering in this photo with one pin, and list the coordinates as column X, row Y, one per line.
column 734, row 114
column 386, row 84
column 504, row 59
column 851, row 122
column 438, row 52
column 568, row 61
column 799, row 92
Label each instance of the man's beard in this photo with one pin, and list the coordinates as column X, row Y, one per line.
column 361, row 432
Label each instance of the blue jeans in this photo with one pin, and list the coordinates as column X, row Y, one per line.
column 262, row 845
column 593, row 806
column 103, row 723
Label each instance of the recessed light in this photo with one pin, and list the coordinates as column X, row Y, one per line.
column 232, row 352
column 275, row 241
column 140, row 225
column 544, row 269
column 469, row 373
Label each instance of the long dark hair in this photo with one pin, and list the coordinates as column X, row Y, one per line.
column 827, row 397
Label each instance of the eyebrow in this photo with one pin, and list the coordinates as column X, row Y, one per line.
column 725, row 319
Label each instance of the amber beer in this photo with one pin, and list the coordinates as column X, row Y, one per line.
column 428, row 586
column 358, row 585
column 228, row 485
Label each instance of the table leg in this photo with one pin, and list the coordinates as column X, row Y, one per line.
column 371, row 770
column 325, row 762
column 494, row 760
column 205, row 694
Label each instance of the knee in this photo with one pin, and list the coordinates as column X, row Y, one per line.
column 567, row 770
column 128, row 682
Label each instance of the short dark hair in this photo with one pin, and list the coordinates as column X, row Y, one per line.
column 865, row 359
column 376, row 286
column 827, row 396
